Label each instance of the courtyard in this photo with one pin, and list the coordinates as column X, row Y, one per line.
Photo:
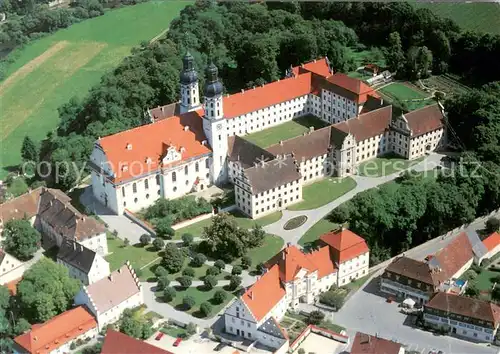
column 316, row 343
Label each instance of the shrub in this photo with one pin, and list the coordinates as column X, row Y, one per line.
column 72, row 346
column 220, row 264
column 332, row 298
column 145, row 239
column 470, row 275
column 188, row 302
column 302, row 351
column 163, row 228
column 237, row 270
column 158, row 244
column 206, row 308
column 188, row 271
column 191, row 328
column 210, row 282
column 493, row 225
column 126, row 242
column 163, row 282
column 160, row 271
column 213, row 271
column 198, row 260
column 246, row 262
column 185, row 281
column 187, row 239
column 220, row 296
column 169, row 294
column 234, row 282
column 315, row 317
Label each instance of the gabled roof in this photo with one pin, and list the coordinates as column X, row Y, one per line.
column 425, row 120
column 118, row 343
column 273, row 328
column 465, row 306
column 2, row 256
column 76, row 255
column 454, row 255
column 264, row 294
column 290, row 261
column 413, row 269
column 246, row 152
column 116, row 288
column 272, row 174
column 492, row 241
column 25, row 205
column 50, row 335
column 322, row 258
column 346, row 243
column 142, row 149
column 319, row 67
column 367, row 344
column 166, row 111
column 367, row 125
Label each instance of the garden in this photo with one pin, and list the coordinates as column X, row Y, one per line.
column 405, row 96
column 294, row 323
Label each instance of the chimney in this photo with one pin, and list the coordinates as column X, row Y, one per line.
column 186, row 128
column 74, row 246
column 381, row 101
column 182, row 149
column 242, row 91
column 35, row 338
column 311, row 129
column 110, row 277
column 254, row 87
column 281, row 142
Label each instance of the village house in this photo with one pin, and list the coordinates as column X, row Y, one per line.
column 363, row 343
column 56, row 335
column 196, row 143
column 109, row 297
column 83, row 263
column 294, row 277
column 118, row 343
column 10, row 267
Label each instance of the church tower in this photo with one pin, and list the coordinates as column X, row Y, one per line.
column 214, row 124
column 190, row 96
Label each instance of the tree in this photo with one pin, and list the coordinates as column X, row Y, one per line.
column 20, row 239
column 160, row 271
column 185, row 281
column 164, row 229
column 332, row 298
column 315, row 317
column 188, row 271
column 472, row 290
column 187, row 239
column 220, row 296
column 492, row 225
column 234, row 282
column 246, row 262
column 188, row 302
column 169, row 293
column 158, row 244
column 210, row 282
column 495, row 294
column 220, row 264
column 205, row 309
column 395, row 55
column 130, row 325
column 198, row 260
column 237, row 270
column 145, row 239
column 257, row 236
column 29, row 150
column 213, row 271
column 4, row 298
column 173, row 260
column 126, row 242
column 45, row 291
column 163, row 282
column 470, row 275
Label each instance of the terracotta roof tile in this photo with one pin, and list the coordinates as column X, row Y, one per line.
column 465, row 306
column 492, row 241
column 290, row 261
column 425, row 120
column 319, row 67
column 264, row 294
column 50, row 335
column 323, row 261
column 366, row 344
column 345, row 243
column 119, row 343
column 454, row 255
column 367, row 125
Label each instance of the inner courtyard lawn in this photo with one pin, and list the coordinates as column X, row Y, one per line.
column 272, row 245
column 200, row 295
column 285, row 131
column 383, row 166
column 318, row 229
column 323, row 192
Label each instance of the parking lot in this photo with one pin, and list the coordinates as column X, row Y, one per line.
column 368, row 311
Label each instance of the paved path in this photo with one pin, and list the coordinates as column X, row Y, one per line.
column 315, row 215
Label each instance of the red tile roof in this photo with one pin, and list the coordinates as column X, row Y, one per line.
column 454, row 255
column 492, row 241
column 48, row 336
column 290, row 261
column 425, row 120
column 345, row 243
column 323, row 261
column 319, row 67
column 119, row 343
column 367, row 125
column 25, row 205
column 366, row 344
column 264, row 294
column 151, row 141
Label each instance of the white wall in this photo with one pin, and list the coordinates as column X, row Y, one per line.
column 10, row 269
column 240, row 321
column 100, row 269
column 353, row 269
column 427, row 142
column 463, row 329
column 337, row 108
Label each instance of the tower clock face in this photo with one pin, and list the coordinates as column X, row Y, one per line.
column 219, row 126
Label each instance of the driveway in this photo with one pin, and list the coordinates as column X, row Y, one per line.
column 315, row 215
column 367, row 311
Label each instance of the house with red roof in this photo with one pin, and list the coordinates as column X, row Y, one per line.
column 292, row 277
column 118, row 343
column 188, row 146
column 57, row 334
column 492, row 244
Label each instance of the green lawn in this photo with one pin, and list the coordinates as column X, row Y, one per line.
column 484, row 280
column 470, row 16
column 73, row 60
column 200, row 296
column 366, row 56
column 272, row 245
column 318, row 229
column 382, row 166
column 400, row 93
column 284, row 131
column 174, row 331
column 323, row 192
column 195, row 229
column 245, row 222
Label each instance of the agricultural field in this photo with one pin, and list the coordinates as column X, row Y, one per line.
column 473, row 16
column 447, row 83
column 49, row 71
column 403, row 95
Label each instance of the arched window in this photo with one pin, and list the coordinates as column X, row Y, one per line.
column 146, row 185
column 174, row 176
column 134, row 187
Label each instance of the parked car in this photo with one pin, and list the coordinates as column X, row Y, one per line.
column 219, row 347
column 159, row 336
column 177, row 342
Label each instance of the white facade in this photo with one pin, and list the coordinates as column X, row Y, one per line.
column 190, row 97
column 462, row 329
column 337, row 108
column 99, row 269
column 353, row 269
column 11, row 268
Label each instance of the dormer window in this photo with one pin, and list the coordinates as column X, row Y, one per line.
column 124, row 168
column 148, row 160
column 129, row 146
column 183, row 149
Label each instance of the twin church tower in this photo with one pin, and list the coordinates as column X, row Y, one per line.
column 214, row 124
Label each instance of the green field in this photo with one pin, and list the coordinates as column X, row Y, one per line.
column 49, row 71
column 475, row 16
column 284, row 131
column 401, row 93
column 383, row 166
column 320, row 193
column 318, row 229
